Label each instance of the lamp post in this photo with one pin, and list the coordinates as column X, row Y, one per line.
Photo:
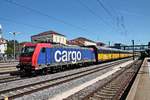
column 14, row 33
column 133, row 48
column 0, row 31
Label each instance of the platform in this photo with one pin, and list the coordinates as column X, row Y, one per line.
column 140, row 89
column 78, row 88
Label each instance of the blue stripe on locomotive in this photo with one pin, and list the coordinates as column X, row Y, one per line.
column 48, row 57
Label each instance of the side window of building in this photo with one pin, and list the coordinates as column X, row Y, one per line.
column 59, row 39
column 56, row 39
column 63, row 40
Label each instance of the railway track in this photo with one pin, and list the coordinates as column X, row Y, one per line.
column 115, row 88
column 7, row 69
column 7, row 66
column 8, row 72
column 9, row 78
column 38, row 86
column 13, row 76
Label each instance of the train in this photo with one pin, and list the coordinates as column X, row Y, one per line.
column 41, row 57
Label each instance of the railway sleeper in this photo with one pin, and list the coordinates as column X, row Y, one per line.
column 14, row 92
column 96, row 98
column 37, row 86
column 26, row 89
column 113, row 86
column 116, row 83
column 33, row 87
column 10, row 94
column 104, row 93
column 20, row 91
column 111, row 89
column 117, row 86
column 102, row 96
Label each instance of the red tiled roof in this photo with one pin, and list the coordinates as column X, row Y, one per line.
column 2, row 41
column 47, row 32
column 100, row 43
column 82, row 38
column 22, row 43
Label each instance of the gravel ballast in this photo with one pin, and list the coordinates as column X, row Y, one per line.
column 47, row 93
column 9, row 85
column 52, row 91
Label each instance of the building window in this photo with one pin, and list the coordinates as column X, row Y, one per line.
column 56, row 39
column 60, row 39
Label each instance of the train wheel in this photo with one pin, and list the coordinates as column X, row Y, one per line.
column 22, row 72
column 45, row 71
column 63, row 68
column 51, row 70
column 34, row 73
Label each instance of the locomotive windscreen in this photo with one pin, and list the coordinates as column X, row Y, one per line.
column 27, row 51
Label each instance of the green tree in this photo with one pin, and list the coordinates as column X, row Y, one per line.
column 10, row 47
column 9, row 51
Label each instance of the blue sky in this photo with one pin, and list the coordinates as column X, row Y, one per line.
column 119, row 21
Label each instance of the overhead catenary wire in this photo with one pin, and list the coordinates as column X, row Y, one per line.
column 113, row 12
column 119, row 20
column 118, row 15
column 99, row 17
column 46, row 15
column 123, row 24
column 93, row 13
column 113, row 16
column 107, row 11
column 25, row 24
column 56, row 19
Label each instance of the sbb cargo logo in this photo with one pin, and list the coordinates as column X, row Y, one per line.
column 64, row 56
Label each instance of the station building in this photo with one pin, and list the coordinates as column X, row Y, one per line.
column 3, row 43
column 81, row 41
column 100, row 44
column 50, row 37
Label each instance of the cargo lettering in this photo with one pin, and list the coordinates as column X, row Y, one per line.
column 63, row 56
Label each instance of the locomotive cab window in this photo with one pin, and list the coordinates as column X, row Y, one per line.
column 27, row 51
column 43, row 50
